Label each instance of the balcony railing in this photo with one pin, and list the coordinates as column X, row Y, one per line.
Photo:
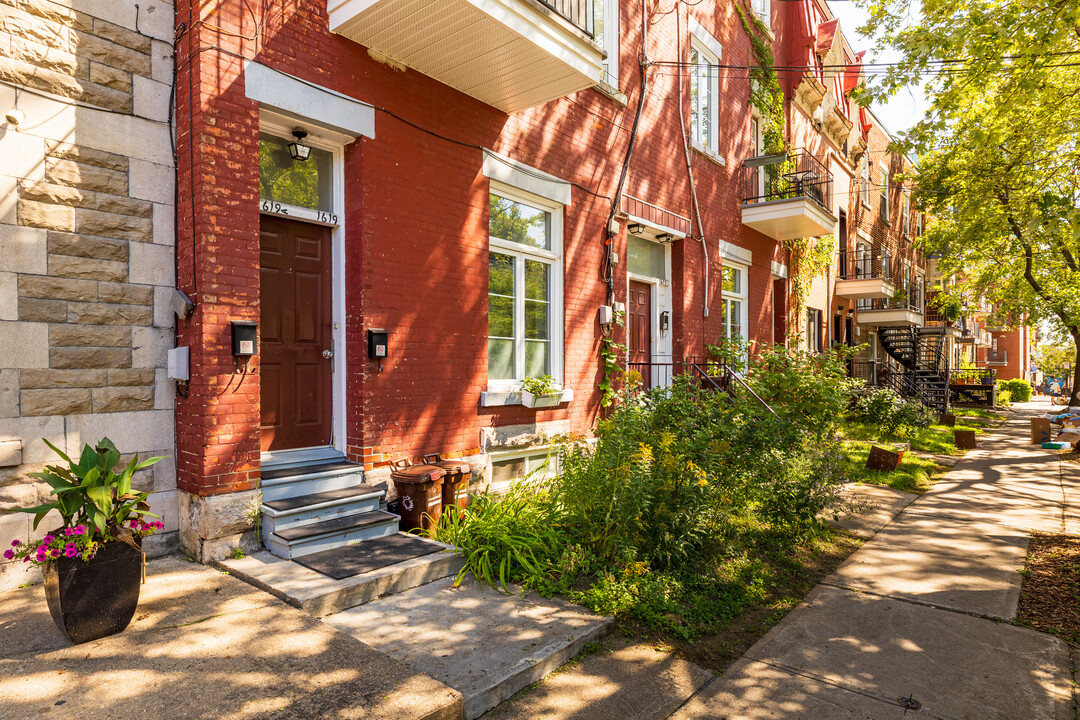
column 798, row 174
column 1001, row 357
column 578, row 12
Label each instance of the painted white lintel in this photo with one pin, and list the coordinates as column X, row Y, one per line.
column 519, row 175
column 734, row 253
column 307, row 102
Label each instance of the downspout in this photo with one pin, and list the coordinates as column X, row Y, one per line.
column 609, row 232
column 690, row 173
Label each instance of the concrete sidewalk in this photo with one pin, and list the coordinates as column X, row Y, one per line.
column 204, row 645
column 906, row 626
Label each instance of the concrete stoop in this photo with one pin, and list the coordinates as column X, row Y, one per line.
column 321, row 595
column 482, row 643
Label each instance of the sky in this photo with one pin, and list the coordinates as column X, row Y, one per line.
column 906, row 108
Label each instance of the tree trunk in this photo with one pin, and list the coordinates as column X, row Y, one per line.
column 1074, row 398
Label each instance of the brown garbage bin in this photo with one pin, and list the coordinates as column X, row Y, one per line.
column 456, row 482
column 964, row 439
column 419, row 489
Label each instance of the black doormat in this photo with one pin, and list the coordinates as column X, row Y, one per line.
column 341, row 563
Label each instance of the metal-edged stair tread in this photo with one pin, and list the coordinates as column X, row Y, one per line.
column 288, row 473
column 325, row 498
column 340, row 524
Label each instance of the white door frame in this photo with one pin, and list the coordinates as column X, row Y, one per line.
column 660, row 300
column 336, row 223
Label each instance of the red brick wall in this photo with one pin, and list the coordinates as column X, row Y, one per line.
column 416, row 228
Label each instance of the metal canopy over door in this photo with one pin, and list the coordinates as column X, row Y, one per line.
column 295, row 291
column 639, row 322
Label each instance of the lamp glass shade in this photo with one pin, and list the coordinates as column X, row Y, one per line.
column 299, row 151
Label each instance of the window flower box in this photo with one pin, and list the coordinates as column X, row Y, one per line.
column 546, row 400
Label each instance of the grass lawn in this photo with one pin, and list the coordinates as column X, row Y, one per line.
column 936, row 439
column 781, row 575
column 914, row 474
column 979, row 413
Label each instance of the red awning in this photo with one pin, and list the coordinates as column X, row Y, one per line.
column 826, row 34
column 865, row 122
column 854, row 74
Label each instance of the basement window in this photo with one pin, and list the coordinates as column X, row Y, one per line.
column 535, row 464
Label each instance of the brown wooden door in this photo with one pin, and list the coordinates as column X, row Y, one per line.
column 639, row 325
column 295, row 328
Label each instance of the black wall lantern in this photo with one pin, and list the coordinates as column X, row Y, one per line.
column 298, row 149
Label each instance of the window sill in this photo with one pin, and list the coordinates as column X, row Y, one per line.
column 612, row 92
column 708, row 154
column 513, row 397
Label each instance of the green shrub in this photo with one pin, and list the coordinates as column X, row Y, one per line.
column 885, row 409
column 1004, row 397
column 1019, row 389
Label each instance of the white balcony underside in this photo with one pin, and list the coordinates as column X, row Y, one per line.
column 885, row 318
column 511, row 54
column 788, row 219
column 865, row 288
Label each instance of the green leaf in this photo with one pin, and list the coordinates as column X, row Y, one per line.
column 43, row 508
column 148, row 463
column 57, row 450
column 101, row 496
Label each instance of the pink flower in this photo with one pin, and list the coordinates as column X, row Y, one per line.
column 68, row 531
column 71, row 550
column 80, row 530
column 159, row 525
column 9, row 554
column 16, row 543
column 134, row 524
column 26, row 559
column 47, row 539
column 55, row 552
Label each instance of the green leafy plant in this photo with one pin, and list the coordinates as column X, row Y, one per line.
column 809, row 258
column 95, row 503
column 611, row 355
column 543, row 385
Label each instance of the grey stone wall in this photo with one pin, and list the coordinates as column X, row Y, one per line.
column 86, row 245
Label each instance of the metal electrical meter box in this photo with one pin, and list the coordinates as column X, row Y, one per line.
column 377, row 344
column 244, row 338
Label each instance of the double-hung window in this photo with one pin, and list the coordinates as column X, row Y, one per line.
column 905, row 217
column 866, row 179
column 813, row 330
column 761, row 9
column 704, row 90
column 606, row 34
column 524, row 288
column 884, row 209
column 733, row 308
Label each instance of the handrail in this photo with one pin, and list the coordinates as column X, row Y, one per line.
column 732, row 373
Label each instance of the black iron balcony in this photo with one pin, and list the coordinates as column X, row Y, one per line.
column 578, row 12
column 787, row 196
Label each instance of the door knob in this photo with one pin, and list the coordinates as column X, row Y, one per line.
column 328, row 354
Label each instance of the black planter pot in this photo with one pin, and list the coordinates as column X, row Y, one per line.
column 90, row 600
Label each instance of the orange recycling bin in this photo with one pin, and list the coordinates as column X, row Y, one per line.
column 419, row 489
column 455, row 489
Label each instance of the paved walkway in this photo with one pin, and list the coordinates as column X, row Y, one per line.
column 911, row 624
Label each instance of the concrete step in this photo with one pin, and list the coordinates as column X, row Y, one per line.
column 317, row 507
column 619, row 679
column 287, row 482
column 484, row 644
column 306, row 539
column 321, row 595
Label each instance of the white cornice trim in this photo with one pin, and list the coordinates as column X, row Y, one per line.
column 308, row 103
column 734, row 253
column 516, row 174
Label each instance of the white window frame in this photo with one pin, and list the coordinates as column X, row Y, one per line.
column 905, row 214
column 610, row 43
column 742, row 297
column 866, row 180
column 554, row 260
column 818, row 346
column 757, row 146
column 709, row 49
column 762, row 8
column 883, row 208
column 496, row 457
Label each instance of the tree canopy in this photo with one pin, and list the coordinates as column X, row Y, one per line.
column 999, row 152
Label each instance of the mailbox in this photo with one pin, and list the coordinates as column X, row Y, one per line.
column 244, row 338
column 377, row 344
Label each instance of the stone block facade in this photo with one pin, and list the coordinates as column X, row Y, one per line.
column 87, row 239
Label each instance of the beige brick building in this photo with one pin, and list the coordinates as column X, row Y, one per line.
column 87, row 261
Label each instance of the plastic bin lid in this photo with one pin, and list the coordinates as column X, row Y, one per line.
column 454, row 466
column 418, row 474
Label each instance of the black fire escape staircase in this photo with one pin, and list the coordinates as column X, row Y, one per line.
column 923, row 368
